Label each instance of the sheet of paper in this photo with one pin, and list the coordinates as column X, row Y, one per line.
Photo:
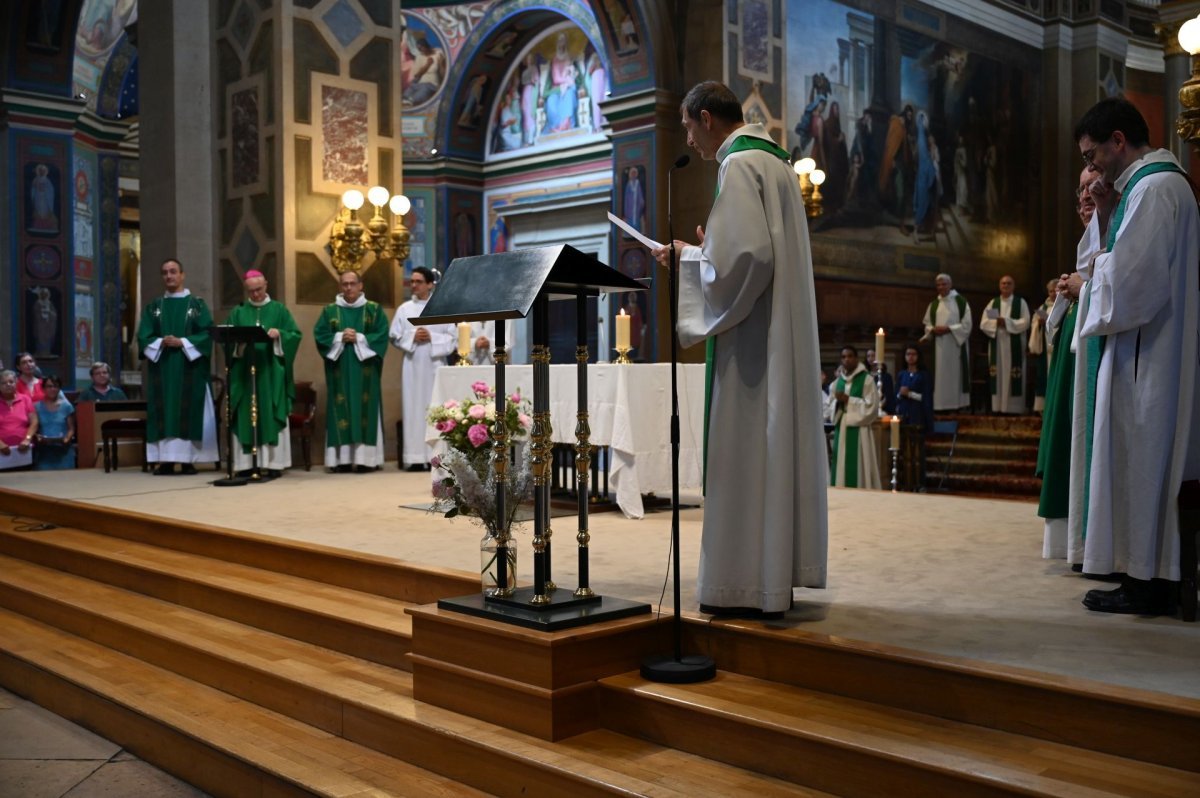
column 619, row 222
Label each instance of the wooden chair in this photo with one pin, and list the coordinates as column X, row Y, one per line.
column 1189, row 528
column 301, row 419
column 116, row 429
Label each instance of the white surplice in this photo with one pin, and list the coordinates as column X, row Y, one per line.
column 948, row 365
column 751, row 286
column 1144, row 297
column 421, row 361
column 1002, row 399
column 860, row 412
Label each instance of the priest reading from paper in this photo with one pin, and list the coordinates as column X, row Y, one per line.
column 746, row 290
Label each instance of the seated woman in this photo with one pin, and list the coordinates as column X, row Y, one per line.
column 28, row 382
column 18, row 424
column 56, row 429
column 101, row 389
column 914, row 401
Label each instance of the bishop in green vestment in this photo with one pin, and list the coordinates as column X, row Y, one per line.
column 173, row 336
column 352, row 337
column 272, row 379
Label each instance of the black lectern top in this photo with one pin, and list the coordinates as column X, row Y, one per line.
column 235, row 334
column 504, row 285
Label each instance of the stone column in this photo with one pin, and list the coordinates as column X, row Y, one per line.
column 177, row 152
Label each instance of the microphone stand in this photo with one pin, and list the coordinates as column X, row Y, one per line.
column 676, row 668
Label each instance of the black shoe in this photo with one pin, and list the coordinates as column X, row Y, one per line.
column 245, row 473
column 274, row 473
column 1077, row 567
column 1133, row 597
column 164, row 469
column 187, row 468
column 343, row 469
column 363, row 469
column 416, row 467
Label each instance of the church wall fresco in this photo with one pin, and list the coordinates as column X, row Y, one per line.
column 99, row 32
column 84, row 212
column 918, row 120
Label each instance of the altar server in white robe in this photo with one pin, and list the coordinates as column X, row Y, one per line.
column 948, row 323
column 483, row 341
column 1140, row 315
column 747, row 289
column 853, row 406
column 425, row 347
column 1006, row 321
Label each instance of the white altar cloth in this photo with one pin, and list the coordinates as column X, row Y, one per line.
column 629, row 411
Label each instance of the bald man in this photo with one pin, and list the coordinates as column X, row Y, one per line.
column 1006, row 324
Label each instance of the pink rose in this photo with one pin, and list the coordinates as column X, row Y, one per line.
column 478, row 435
column 516, row 397
column 445, row 426
column 481, row 388
column 525, row 420
column 435, row 461
column 477, row 411
column 450, row 404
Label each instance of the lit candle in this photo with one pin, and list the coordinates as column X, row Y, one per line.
column 464, row 339
column 879, row 340
column 622, row 330
column 895, row 432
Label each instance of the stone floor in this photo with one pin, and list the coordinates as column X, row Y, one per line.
column 45, row 756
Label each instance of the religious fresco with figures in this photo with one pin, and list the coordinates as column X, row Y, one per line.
column 102, row 23
column 915, row 120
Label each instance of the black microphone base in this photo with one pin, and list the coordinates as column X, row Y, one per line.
column 688, row 669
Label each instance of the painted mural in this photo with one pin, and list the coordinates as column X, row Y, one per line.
column 424, row 63
column 931, row 160
column 102, row 23
column 552, row 92
column 43, row 190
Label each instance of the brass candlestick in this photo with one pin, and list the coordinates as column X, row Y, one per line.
column 895, row 459
column 623, row 355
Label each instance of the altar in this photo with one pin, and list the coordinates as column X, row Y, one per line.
column 629, row 410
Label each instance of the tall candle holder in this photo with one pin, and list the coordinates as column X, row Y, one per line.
column 463, row 358
column 623, row 355
column 895, row 459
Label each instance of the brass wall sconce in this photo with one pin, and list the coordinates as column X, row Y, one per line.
column 811, row 179
column 349, row 240
column 1188, row 124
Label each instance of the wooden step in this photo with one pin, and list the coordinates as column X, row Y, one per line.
column 361, row 624
column 224, row 746
column 858, row 748
column 363, row 702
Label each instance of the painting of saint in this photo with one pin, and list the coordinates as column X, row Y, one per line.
column 423, row 63
column 498, row 235
column 633, row 206
column 42, row 211
column 41, row 321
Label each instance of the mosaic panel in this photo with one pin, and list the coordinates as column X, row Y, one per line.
column 343, row 22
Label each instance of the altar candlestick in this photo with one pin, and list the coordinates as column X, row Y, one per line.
column 895, row 432
column 622, row 330
column 464, row 339
column 879, row 341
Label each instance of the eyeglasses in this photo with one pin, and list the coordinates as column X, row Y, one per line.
column 1090, row 153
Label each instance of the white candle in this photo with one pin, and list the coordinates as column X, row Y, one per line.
column 879, row 341
column 895, row 432
column 464, row 339
column 622, row 330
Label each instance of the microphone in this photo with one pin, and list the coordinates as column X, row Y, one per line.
column 682, row 161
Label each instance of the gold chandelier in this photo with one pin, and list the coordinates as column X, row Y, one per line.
column 349, row 240
column 811, row 179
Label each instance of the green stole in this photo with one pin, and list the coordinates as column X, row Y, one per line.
column 965, row 362
column 740, row 144
column 1054, row 447
column 851, row 470
column 1095, row 344
column 1016, row 350
column 276, row 386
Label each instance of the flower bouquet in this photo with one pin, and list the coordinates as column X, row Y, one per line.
column 466, row 484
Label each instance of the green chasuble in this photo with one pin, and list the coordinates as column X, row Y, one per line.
column 175, row 386
column 353, row 400
column 276, row 386
column 850, row 440
column 1054, row 449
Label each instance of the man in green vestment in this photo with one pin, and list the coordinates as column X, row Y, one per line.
column 352, row 337
column 173, row 336
column 272, row 387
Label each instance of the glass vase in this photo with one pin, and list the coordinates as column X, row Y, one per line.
column 488, row 573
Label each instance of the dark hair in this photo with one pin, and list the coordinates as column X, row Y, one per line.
column 427, row 273
column 176, row 261
column 716, row 98
column 920, row 354
column 50, row 379
column 851, row 348
column 22, row 355
column 1110, row 115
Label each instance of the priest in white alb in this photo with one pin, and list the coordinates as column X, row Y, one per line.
column 1139, row 320
column 747, row 290
column 948, row 323
column 1006, row 322
column 852, row 407
column 425, row 347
